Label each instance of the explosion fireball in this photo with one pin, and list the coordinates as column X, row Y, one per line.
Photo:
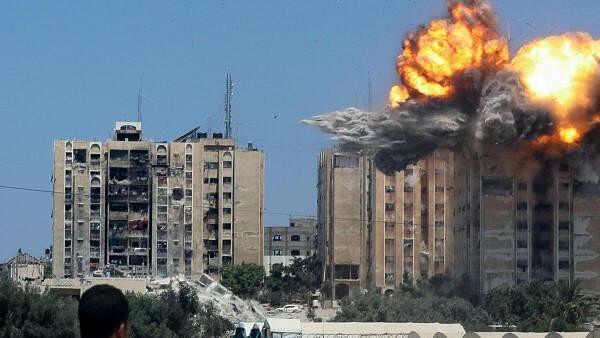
column 459, row 87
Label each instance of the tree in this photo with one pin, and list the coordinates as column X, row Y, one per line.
column 244, row 280
column 293, row 282
column 540, row 306
column 175, row 314
column 27, row 312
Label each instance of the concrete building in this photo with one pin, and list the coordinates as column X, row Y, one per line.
column 156, row 208
column 520, row 218
column 284, row 243
column 380, row 230
column 24, row 268
column 412, row 222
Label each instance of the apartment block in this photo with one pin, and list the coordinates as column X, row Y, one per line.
column 379, row 231
column 342, row 220
column 135, row 207
column 285, row 243
column 411, row 223
column 520, row 218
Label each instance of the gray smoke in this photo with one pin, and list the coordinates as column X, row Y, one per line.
column 395, row 137
column 505, row 116
column 398, row 137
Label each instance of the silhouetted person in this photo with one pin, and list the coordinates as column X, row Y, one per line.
column 103, row 313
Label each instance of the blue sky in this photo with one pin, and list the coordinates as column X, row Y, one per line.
column 70, row 69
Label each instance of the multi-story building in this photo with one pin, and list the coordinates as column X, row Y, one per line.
column 285, row 243
column 379, row 230
column 520, row 218
column 411, row 222
column 156, row 208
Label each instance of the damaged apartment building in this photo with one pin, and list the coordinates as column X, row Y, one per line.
column 498, row 216
column 378, row 230
column 521, row 217
column 133, row 207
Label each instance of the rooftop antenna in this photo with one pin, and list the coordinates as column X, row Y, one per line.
column 140, row 95
column 369, row 102
column 228, row 97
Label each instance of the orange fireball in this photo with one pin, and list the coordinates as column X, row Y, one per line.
column 561, row 73
column 398, row 94
column 432, row 57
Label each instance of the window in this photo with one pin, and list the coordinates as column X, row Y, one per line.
column 439, row 189
column 188, row 158
column 439, row 206
column 391, row 188
column 295, row 252
column 408, row 188
column 227, row 164
column 211, row 165
column 227, row 195
column 295, row 238
column 227, row 179
column 521, row 186
column 276, row 238
column 390, row 206
column 563, row 205
column 563, row 225
column 188, row 174
column 563, row 245
column 80, row 155
column 226, row 226
column 521, row 205
column 227, row 211
column 563, row 264
column 292, row 224
column 345, row 161
column 276, row 252
column 521, row 244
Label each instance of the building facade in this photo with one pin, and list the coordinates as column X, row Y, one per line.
column 377, row 230
column 285, row 243
column 500, row 216
column 155, row 208
column 520, row 218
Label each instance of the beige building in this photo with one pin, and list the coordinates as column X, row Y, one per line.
column 379, row 230
column 25, row 268
column 520, row 218
column 155, row 208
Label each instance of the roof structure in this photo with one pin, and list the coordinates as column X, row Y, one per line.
column 23, row 258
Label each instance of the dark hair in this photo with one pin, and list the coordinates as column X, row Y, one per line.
column 102, row 309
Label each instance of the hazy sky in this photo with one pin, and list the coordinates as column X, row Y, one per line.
column 70, row 69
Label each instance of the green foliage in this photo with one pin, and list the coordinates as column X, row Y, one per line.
column 244, row 280
column 413, row 304
column 540, row 306
column 25, row 312
column 294, row 282
column 533, row 306
column 174, row 314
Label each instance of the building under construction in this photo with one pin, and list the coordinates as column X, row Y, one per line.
column 129, row 206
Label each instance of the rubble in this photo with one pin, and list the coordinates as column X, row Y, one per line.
column 229, row 305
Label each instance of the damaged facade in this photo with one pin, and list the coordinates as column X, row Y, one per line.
column 520, row 218
column 498, row 216
column 377, row 230
column 136, row 207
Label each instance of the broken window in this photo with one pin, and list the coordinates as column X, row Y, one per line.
column 177, row 194
column 496, row 185
column 276, row 252
column 345, row 161
column 80, row 155
column 390, row 188
column 226, row 226
column 276, row 238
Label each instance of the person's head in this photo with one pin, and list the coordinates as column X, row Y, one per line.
column 103, row 313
